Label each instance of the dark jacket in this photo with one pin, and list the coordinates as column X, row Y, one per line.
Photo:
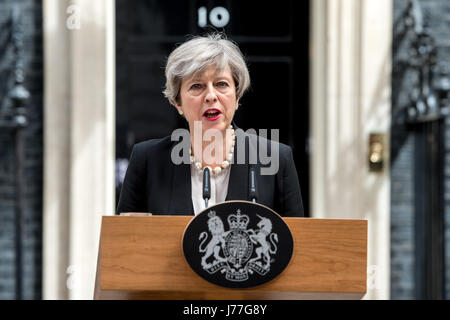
column 154, row 184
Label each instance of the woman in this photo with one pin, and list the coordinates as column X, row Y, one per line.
column 205, row 79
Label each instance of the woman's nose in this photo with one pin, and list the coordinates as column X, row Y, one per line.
column 210, row 94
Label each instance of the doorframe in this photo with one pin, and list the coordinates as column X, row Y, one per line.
column 79, row 135
column 350, row 94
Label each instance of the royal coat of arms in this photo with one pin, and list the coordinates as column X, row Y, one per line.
column 239, row 251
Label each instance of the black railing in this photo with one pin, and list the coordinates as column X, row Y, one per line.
column 423, row 116
column 14, row 118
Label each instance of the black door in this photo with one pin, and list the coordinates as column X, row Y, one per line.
column 274, row 37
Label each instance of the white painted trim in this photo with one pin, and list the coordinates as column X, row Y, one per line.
column 79, row 142
column 56, row 182
column 350, row 98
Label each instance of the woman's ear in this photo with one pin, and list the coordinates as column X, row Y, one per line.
column 180, row 111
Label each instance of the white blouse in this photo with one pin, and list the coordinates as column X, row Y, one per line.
column 219, row 188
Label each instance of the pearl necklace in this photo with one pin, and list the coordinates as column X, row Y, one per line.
column 225, row 164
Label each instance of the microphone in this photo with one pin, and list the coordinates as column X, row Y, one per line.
column 206, row 185
column 252, row 187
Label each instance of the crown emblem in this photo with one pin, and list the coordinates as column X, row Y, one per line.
column 238, row 221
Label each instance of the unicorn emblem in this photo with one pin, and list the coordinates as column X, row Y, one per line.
column 264, row 251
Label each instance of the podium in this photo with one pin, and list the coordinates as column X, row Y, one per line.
column 142, row 258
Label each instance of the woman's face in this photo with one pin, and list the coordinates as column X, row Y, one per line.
column 209, row 97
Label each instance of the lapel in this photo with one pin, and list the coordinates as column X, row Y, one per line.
column 238, row 184
column 181, row 199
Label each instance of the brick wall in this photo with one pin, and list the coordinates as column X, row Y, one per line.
column 31, row 13
column 436, row 15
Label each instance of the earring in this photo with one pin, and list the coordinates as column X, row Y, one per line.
column 180, row 112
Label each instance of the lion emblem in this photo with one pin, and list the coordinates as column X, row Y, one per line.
column 217, row 242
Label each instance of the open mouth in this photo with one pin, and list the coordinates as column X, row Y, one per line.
column 212, row 114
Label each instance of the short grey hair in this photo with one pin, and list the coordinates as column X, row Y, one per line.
column 196, row 55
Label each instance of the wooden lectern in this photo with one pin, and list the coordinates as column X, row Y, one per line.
column 142, row 258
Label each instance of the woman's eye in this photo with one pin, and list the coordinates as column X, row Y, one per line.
column 196, row 86
column 222, row 84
